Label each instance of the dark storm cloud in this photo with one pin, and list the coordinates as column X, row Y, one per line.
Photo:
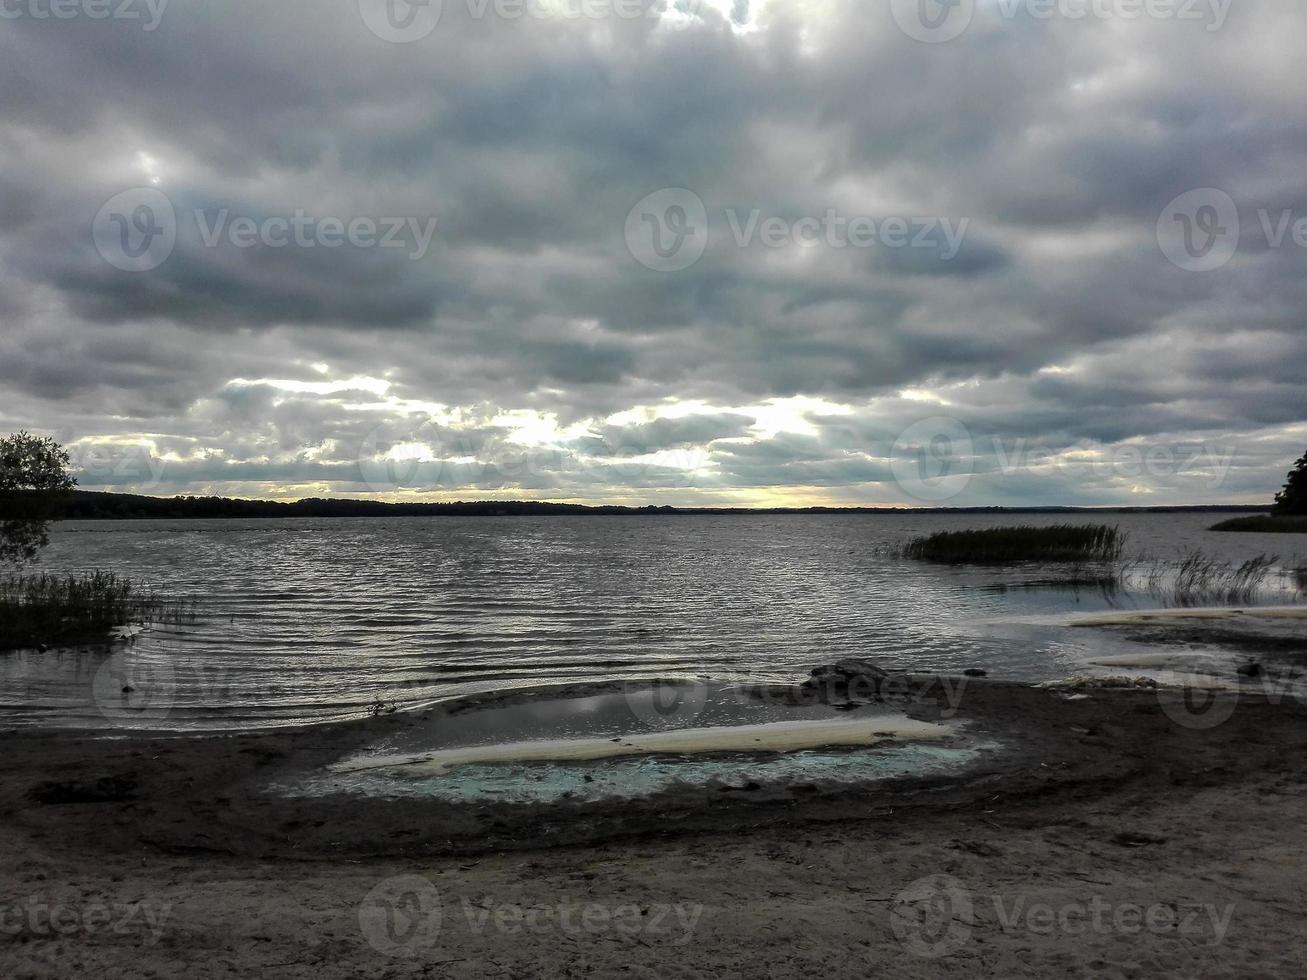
column 1028, row 162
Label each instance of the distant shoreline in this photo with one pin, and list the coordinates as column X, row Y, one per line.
column 86, row 505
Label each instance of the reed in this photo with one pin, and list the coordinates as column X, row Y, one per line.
column 1265, row 524
column 48, row 609
column 1022, row 543
column 1197, row 580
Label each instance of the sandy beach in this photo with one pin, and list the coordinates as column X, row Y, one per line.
column 1115, row 834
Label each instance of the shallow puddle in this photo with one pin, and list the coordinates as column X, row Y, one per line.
column 640, row 741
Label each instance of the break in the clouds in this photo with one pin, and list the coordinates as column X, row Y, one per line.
column 816, row 251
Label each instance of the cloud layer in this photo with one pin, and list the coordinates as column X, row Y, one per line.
column 404, row 257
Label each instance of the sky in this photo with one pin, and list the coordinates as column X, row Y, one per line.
column 736, row 252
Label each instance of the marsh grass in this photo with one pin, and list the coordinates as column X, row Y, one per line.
column 1265, row 524
column 1090, row 559
column 1081, row 543
column 1197, row 580
column 49, row 609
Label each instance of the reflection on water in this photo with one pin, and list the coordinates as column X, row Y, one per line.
column 308, row 620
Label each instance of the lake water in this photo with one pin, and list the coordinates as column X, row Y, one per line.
column 311, row 620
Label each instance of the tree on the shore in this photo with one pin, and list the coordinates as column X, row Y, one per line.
column 34, row 482
column 1293, row 498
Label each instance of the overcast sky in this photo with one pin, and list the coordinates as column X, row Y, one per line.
column 788, row 251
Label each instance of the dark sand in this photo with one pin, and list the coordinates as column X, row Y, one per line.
column 1114, row 837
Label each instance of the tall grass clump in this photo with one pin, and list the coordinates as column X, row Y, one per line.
column 1197, row 580
column 46, row 609
column 1006, row 545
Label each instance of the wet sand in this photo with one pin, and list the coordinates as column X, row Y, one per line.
column 1119, row 834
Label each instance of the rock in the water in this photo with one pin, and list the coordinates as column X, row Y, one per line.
column 1250, row 670
column 847, row 679
column 974, row 672
column 849, row 668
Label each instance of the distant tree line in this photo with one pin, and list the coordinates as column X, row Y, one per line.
column 87, row 505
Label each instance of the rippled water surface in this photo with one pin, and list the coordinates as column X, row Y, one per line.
column 309, row 620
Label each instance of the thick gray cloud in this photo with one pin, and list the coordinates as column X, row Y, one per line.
column 414, row 269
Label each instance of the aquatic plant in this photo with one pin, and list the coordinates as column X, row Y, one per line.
column 46, row 609
column 1197, row 580
column 1265, row 523
column 1004, row 545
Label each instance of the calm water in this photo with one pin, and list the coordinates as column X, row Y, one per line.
column 315, row 619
